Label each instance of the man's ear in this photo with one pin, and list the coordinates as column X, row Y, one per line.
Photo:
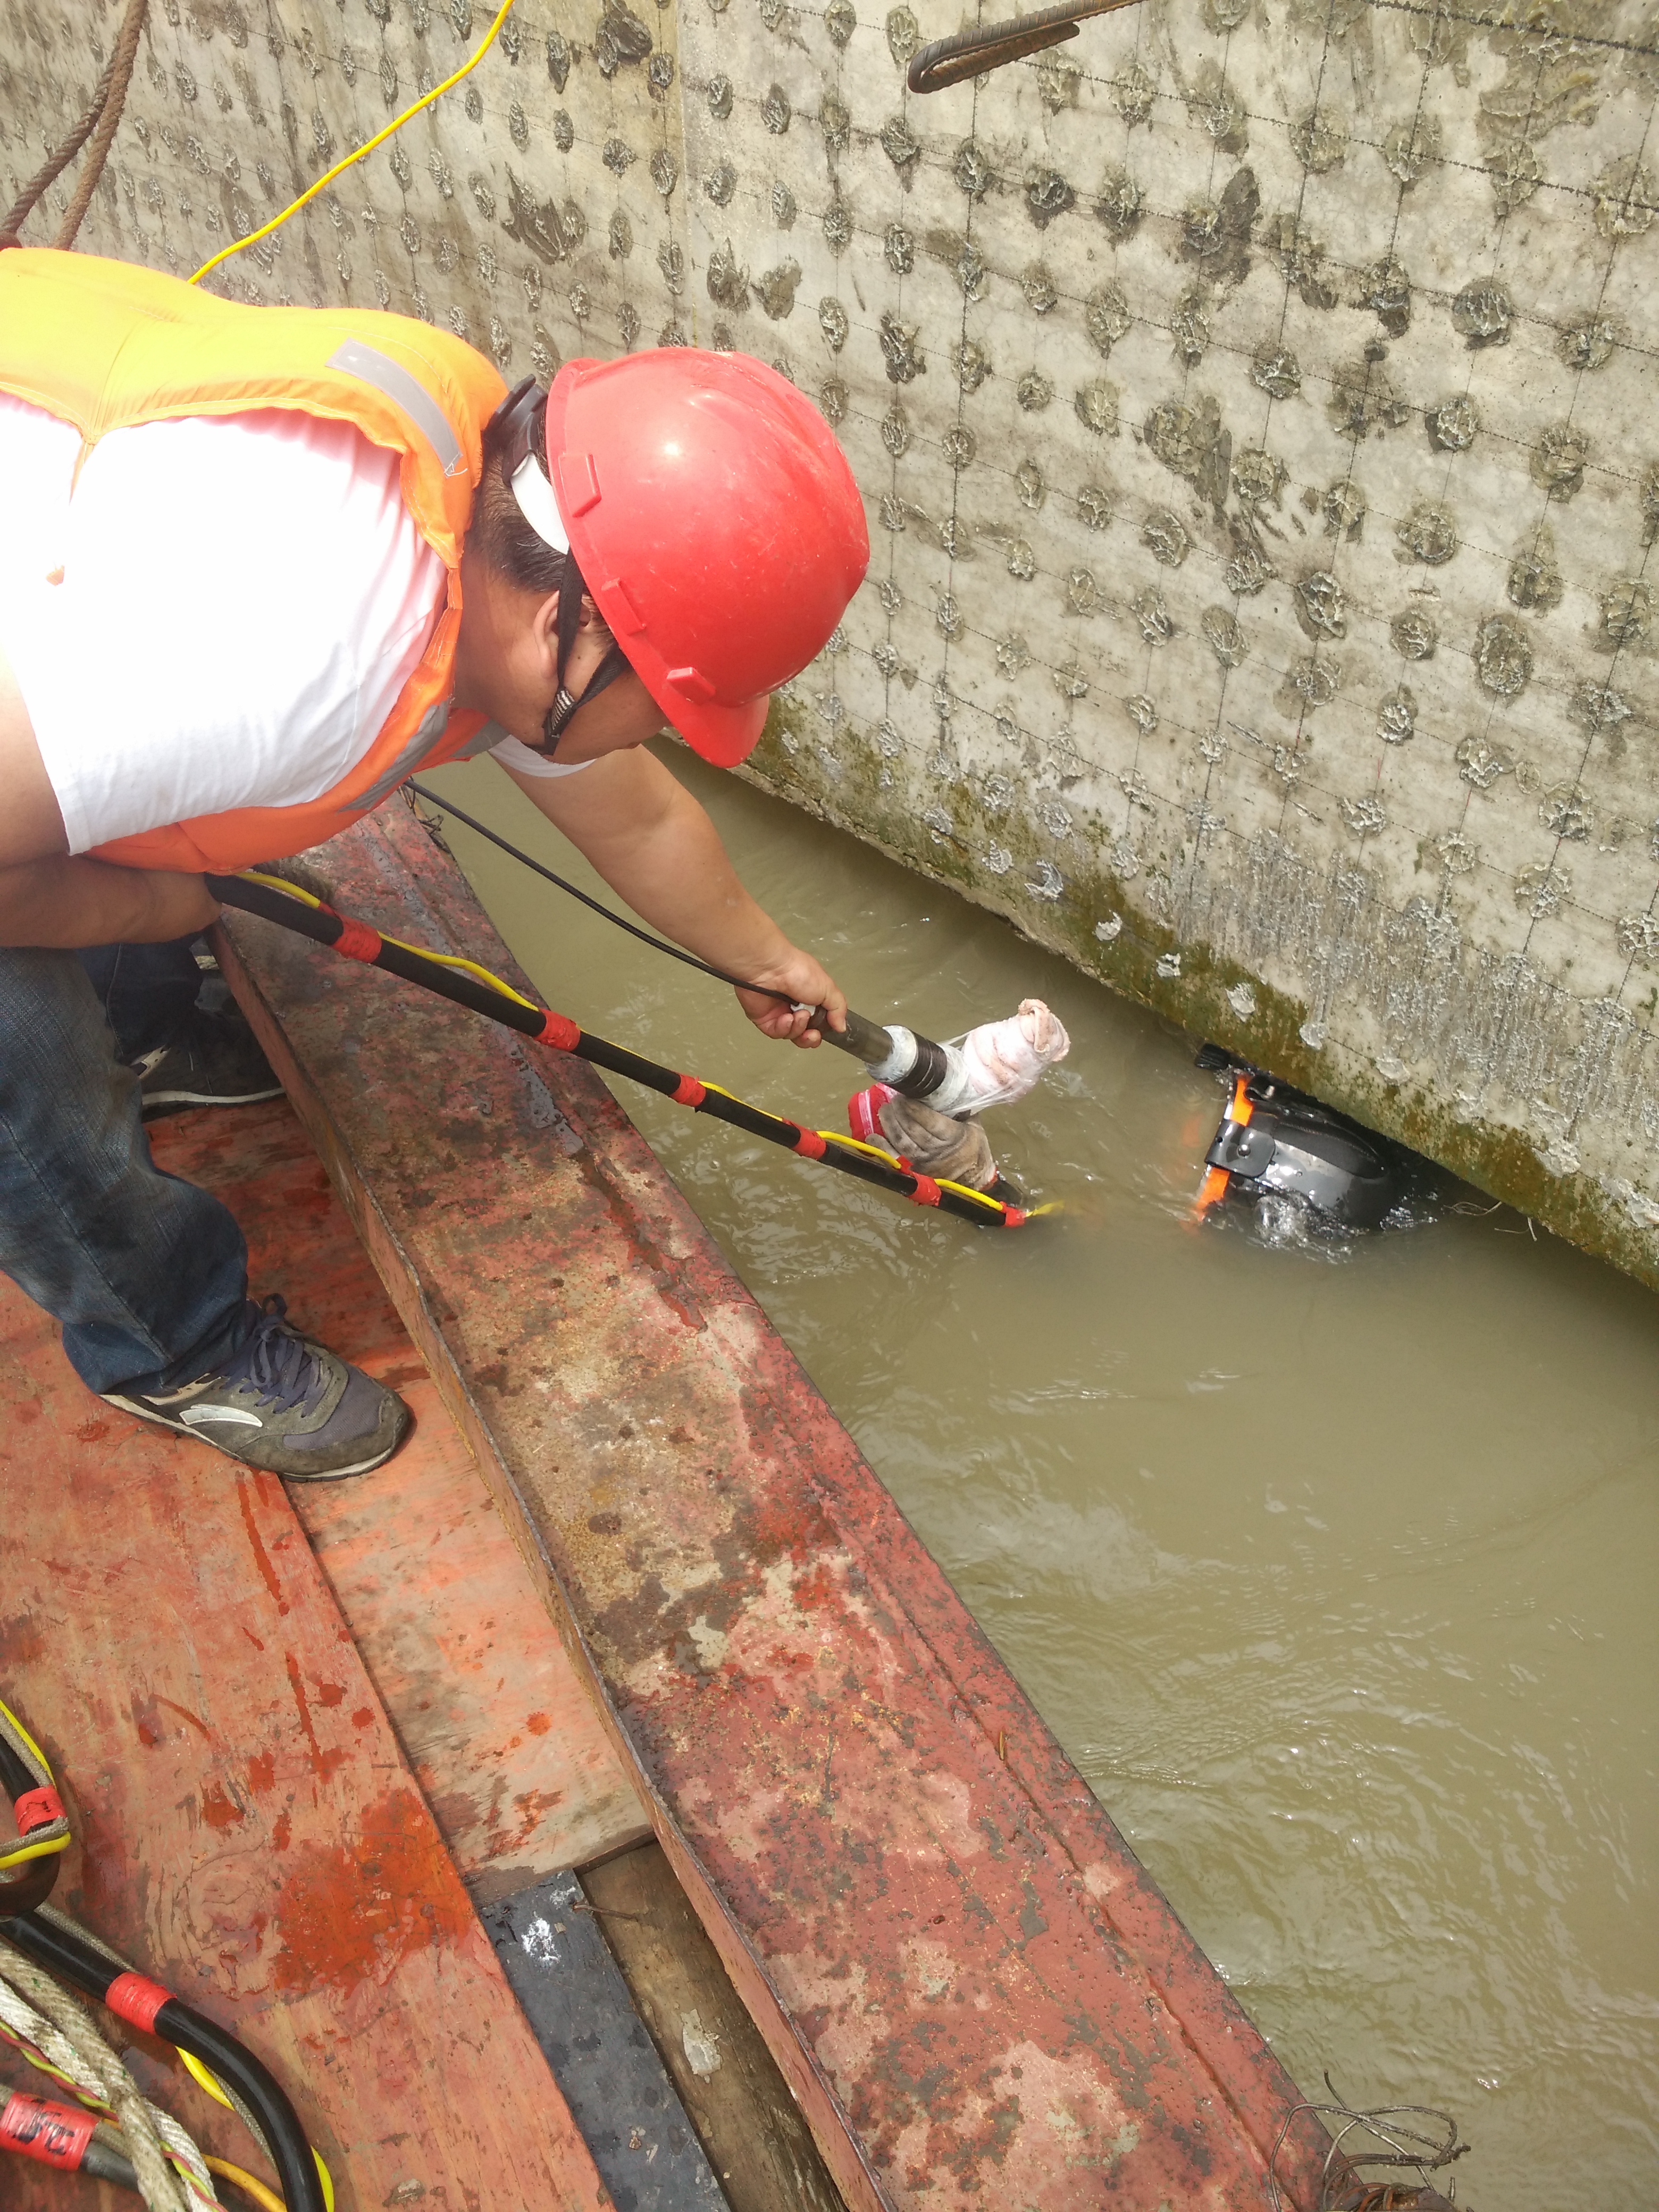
column 544, row 630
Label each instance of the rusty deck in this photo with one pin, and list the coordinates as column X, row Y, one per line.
column 973, row 1988
column 247, row 1825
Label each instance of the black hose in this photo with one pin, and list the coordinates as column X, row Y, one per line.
column 74, row 1960
column 101, row 2161
column 657, row 944
column 865, row 1040
column 23, row 1887
column 15, row 1777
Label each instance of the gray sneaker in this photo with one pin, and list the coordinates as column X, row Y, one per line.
column 284, row 1405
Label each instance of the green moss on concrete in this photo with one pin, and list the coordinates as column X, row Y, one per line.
column 1494, row 1157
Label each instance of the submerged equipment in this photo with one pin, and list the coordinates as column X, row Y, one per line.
column 1276, row 1141
column 470, row 985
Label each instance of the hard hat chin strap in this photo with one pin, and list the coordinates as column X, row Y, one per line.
column 557, row 717
column 515, row 422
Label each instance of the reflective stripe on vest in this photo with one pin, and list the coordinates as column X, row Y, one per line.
column 369, row 365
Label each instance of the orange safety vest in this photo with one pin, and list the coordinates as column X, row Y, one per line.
column 103, row 345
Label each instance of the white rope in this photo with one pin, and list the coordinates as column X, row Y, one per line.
column 34, row 2008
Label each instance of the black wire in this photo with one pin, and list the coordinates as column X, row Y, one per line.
column 658, row 943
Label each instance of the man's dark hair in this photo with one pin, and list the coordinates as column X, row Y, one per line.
column 502, row 538
column 499, row 534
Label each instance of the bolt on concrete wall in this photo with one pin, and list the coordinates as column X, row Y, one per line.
column 1252, row 403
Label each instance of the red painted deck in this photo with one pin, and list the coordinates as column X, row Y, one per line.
column 976, row 1991
column 503, row 1739
column 246, row 1826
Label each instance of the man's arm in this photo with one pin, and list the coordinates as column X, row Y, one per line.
column 659, row 851
column 48, row 899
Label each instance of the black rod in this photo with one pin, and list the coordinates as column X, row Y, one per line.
column 357, row 940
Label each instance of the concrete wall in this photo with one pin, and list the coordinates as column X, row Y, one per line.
column 1253, row 400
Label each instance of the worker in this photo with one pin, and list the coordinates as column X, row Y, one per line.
column 257, row 566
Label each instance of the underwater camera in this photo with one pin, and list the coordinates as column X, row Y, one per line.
column 1274, row 1141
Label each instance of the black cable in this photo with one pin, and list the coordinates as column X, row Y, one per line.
column 657, row 944
column 69, row 1956
column 15, row 1777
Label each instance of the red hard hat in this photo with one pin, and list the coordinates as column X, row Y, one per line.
column 716, row 523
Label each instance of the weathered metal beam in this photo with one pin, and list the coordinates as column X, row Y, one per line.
column 969, row 1980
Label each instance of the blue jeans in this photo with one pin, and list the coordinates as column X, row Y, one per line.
column 147, row 1273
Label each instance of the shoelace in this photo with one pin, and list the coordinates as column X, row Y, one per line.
column 275, row 1361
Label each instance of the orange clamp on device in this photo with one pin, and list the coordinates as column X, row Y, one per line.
column 1213, row 1187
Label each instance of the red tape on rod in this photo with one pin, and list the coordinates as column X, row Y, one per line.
column 561, row 1032
column 357, row 941
column 58, row 2135
column 136, row 2000
column 36, row 1808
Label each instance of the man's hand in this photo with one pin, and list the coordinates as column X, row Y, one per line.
column 810, row 986
column 656, row 848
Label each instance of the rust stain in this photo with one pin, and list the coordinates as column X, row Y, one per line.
column 261, row 1556
column 220, row 1809
column 323, row 1763
column 20, row 1640
column 350, row 1913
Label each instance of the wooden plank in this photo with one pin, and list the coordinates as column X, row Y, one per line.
column 966, row 1976
column 728, row 2079
column 246, row 1829
column 504, row 1737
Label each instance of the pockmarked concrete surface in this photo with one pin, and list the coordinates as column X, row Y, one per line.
column 1253, row 400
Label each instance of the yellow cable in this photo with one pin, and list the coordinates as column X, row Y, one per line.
column 380, row 138
column 467, row 967
column 199, row 2074
column 36, row 1852
column 278, row 883
column 420, row 952
column 215, row 2090
column 858, row 1145
column 266, row 2199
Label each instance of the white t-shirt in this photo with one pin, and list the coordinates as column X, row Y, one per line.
column 243, row 597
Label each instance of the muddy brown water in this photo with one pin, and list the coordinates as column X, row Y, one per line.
column 1334, row 1571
